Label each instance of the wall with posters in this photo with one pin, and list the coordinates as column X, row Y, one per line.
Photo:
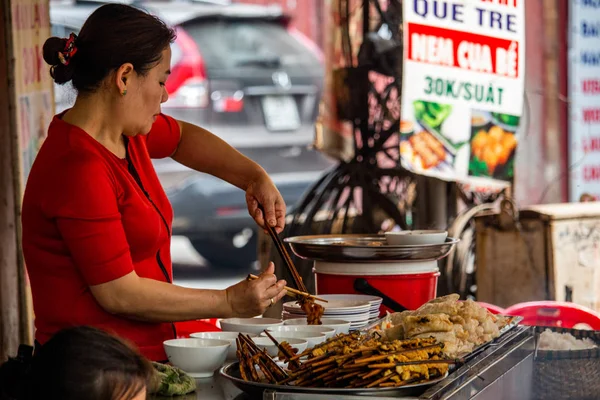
column 34, row 101
column 34, row 106
column 584, row 93
column 463, row 85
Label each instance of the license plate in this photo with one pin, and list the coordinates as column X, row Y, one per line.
column 281, row 113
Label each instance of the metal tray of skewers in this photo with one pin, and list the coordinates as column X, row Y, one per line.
column 366, row 370
column 231, row 372
column 361, row 372
column 365, row 249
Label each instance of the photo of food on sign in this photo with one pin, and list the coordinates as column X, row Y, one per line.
column 493, row 144
column 451, row 140
column 424, row 140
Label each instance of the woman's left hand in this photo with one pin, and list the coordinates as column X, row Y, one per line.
column 263, row 191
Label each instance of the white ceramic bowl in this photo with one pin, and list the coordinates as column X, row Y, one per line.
column 229, row 336
column 328, row 332
column 266, row 343
column 199, row 358
column 249, row 325
column 340, row 325
column 415, row 238
column 312, row 338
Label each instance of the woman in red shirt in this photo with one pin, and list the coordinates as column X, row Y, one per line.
column 96, row 221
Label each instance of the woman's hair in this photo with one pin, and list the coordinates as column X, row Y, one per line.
column 113, row 35
column 76, row 364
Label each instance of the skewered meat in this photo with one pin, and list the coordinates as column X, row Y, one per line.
column 312, row 310
column 252, row 359
column 286, row 353
column 360, row 361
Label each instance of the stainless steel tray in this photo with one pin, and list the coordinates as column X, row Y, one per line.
column 364, row 249
column 231, row 373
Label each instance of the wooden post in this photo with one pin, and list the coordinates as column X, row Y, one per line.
column 553, row 135
column 10, row 288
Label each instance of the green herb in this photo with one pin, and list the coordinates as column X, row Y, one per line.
column 478, row 167
column 511, row 120
column 510, row 168
column 432, row 114
column 170, row 381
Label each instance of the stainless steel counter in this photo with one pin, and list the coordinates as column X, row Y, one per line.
column 215, row 388
column 502, row 371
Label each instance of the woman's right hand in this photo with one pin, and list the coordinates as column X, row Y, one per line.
column 252, row 298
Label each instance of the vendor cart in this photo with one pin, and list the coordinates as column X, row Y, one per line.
column 502, row 370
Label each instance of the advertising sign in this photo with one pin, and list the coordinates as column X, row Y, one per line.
column 584, row 95
column 463, row 87
column 35, row 106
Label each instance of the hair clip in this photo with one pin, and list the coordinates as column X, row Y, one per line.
column 69, row 51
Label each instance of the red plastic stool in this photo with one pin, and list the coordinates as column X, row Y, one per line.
column 492, row 308
column 186, row 328
column 555, row 313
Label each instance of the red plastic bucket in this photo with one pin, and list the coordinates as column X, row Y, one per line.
column 409, row 285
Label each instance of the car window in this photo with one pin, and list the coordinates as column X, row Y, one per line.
column 59, row 31
column 228, row 44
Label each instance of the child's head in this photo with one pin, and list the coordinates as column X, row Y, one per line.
column 76, row 364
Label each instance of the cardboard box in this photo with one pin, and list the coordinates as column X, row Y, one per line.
column 549, row 252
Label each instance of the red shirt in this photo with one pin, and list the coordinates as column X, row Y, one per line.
column 86, row 221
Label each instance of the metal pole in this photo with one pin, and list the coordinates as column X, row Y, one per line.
column 436, row 203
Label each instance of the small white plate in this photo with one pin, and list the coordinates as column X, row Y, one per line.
column 339, row 315
column 352, row 297
column 334, row 306
column 415, row 238
column 350, row 318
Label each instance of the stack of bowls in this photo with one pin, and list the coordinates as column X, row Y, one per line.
column 357, row 309
column 340, row 325
column 249, row 325
column 228, row 336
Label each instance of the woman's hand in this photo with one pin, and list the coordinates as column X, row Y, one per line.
column 262, row 191
column 252, row 298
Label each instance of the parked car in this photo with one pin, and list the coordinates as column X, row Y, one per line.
column 245, row 74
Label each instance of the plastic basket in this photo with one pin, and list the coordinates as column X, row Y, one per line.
column 571, row 374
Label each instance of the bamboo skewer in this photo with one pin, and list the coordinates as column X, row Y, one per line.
column 372, row 373
column 255, row 351
column 292, row 291
column 370, row 359
column 401, row 364
column 327, row 354
column 287, row 353
column 379, row 381
column 350, row 362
